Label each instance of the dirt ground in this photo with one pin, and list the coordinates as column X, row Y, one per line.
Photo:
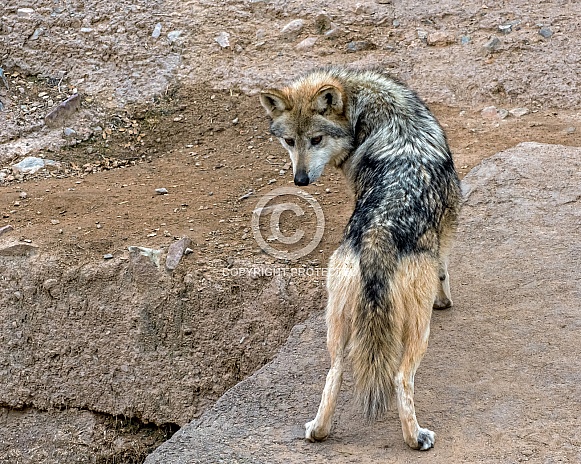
column 180, row 112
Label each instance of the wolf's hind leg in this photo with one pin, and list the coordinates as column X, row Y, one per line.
column 413, row 292
column 343, row 286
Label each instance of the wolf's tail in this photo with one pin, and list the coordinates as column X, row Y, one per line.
column 376, row 345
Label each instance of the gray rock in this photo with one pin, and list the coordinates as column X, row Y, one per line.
column 108, row 256
column 491, row 45
column 306, row 44
column 173, row 36
column 23, row 195
column 223, row 39
column 519, row 112
column 152, row 255
column 175, row 252
column 24, row 12
column 28, row 165
column 156, row 31
column 465, row 39
column 64, row 110
column 37, row 33
column 546, row 32
column 293, row 29
column 161, row 191
column 505, row 28
column 360, row 45
column 86, row 30
column 68, row 132
column 422, row 35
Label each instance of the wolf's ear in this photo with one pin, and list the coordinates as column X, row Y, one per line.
column 329, row 99
column 274, row 102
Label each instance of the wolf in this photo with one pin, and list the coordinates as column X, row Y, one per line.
column 391, row 267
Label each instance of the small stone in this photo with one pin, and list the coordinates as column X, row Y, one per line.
column 293, row 29
column 68, row 132
column 108, row 256
column 395, row 23
column 161, row 191
column 422, row 35
column 23, row 195
column 570, row 130
column 519, row 112
column 86, row 30
column 54, row 222
column 63, row 110
column 334, row 32
column 174, row 35
column 175, row 252
column 309, row 42
column 502, row 113
column 28, row 165
column 223, row 39
column 153, row 255
column 188, row 251
column 440, row 38
column 492, row 45
column 545, row 32
column 235, row 121
column 5, row 229
column 505, row 28
column 490, row 112
column 36, row 34
column 360, row 45
column 156, row 31
column 24, row 12
column 465, row 39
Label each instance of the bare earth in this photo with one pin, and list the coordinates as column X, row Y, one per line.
column 181, row 112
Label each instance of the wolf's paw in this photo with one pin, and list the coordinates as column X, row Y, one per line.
column 426, row 439
column 442, row 303
column 314, row 433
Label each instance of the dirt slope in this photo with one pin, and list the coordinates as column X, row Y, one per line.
column 501, row 380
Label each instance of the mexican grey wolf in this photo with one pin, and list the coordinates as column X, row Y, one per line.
column 390, row 269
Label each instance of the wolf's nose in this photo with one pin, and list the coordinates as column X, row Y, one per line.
column 301, row 179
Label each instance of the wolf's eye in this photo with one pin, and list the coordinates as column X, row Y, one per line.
column 316, row 140
column 290, row 142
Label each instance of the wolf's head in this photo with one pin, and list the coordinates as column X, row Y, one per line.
column 309, row 119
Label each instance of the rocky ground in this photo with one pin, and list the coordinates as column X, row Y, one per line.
column 167, row 100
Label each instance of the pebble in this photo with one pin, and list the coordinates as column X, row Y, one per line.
column 223, row 39
column 440, row 38
column 156, row 31
column 293, row 29
column 174, row 35
column 69, row 132
column 334, row 32
column 465, row 39
column 422, row 35
column 153, row 255
column 54, row 222
column 490, row 112
column 309, row 42
column 24, row 12
column 519, row 112
column 161, row 191
column 570, row 130
column 545, row 32
column 23, row 195
column 360, row 45
column 175, row 252
column 505, row 28
column 492, row 45
column 86, row 30
column 108, row 256
column 36, row 34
